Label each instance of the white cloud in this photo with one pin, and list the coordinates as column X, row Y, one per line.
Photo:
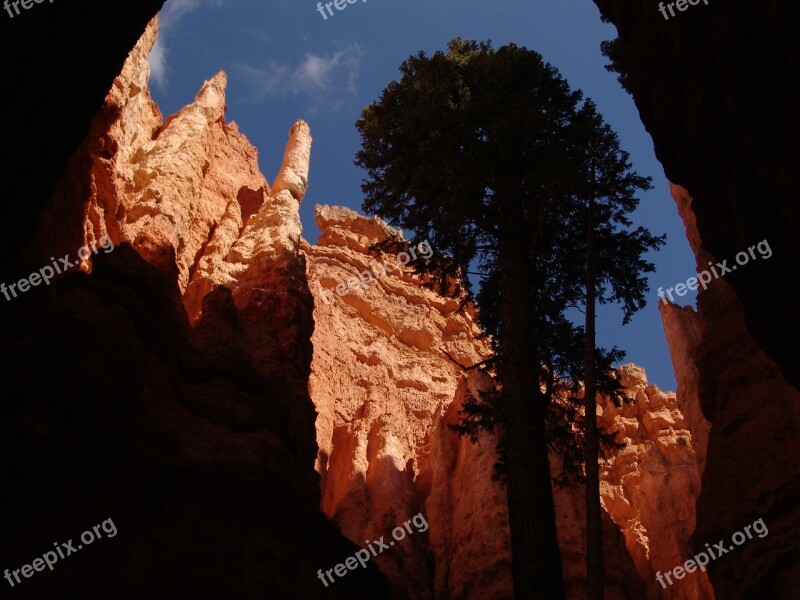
column 158, row 62
column 268, row 81
column 320, row 78
column 172, row 12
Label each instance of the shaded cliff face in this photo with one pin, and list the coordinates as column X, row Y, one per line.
column 114, row 408
column 58, row 88
column 170, row 389
column 198, row 441
column 386, row 391
column 752, row 466
column 723, row 116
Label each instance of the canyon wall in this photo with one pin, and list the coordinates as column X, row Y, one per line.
column 722, row 114
column 387, row 379
column 385, row 391
column 650, row 485
column 51, row 94
column 181, row 387
column 726, row 375
column 137, row 388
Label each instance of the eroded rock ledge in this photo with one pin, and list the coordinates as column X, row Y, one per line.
column 168, row 389
column 236, row 294
column 386, row 391
column 751, row 465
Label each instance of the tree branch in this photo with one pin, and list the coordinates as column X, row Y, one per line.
column 463, row 367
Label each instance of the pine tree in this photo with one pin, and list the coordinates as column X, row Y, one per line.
column 484, row 153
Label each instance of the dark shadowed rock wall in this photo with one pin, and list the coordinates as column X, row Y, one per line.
column 198, row 442
column 57, row 63
column 716, row 88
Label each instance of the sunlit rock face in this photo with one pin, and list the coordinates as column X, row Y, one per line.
column 241, row 298
column 386, row 390
column 172, row 383
column 650, row 486
column 751, row 464
column 188, row 195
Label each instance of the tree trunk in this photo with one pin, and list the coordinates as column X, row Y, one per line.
column 594, row 540
column 536, row 560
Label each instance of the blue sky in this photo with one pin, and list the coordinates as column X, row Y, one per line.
column 284, row 62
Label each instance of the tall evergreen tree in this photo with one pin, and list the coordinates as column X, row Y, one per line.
column 484, row 153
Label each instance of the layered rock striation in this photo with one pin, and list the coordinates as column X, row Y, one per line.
column 165, row 384
column 724, row 376
column 387, row 380
column 385, row 390
column 181, row 386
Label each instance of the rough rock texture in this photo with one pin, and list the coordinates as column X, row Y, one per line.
column 386, row 392
column 257, row 256
column 380, row 383
column 622, row 581
column 723, row 117
column 722, row 114
column 682, row 329
column 469, row 537
column 753, row 459
column 51, row 93
column 197, row 440
column 293, row 175
column 650, row 486
column 188, row 195
column 684, row 332
column 167, row 390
